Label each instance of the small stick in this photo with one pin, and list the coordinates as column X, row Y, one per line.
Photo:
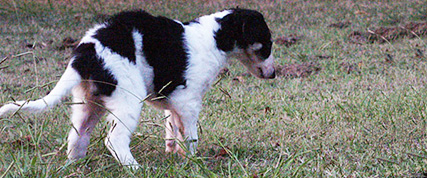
column 4, row 59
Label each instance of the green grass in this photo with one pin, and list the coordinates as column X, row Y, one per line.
column 370, row 122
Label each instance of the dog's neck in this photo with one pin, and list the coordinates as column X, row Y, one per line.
column 205, row 58
column 200, row 34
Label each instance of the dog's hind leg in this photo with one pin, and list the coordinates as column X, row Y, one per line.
column 124, row 115
column 87, row 109
column 184, row 119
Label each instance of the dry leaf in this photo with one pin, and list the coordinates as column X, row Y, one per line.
column 304, row 69
column 340, row 25
column 287, row 41
column 69, row 42
column 360, row 12
column 267, row 110
column 239, row 79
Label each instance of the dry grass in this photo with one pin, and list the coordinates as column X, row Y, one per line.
column 362, row 114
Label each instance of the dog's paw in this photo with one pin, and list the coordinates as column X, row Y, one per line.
column 133, row 167
column 170, row 146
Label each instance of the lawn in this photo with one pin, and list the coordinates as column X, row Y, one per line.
column 349, row 100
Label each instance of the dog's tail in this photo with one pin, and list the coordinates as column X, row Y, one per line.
column 66, row 83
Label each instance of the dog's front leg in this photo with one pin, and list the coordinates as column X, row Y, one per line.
column 188, row 128
column 190, row 133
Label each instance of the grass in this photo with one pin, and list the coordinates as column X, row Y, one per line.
column 366, row 122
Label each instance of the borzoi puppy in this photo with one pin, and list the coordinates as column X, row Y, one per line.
column 135, row 57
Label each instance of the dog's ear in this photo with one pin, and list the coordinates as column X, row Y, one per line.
column 227, row 35
column 254, row 29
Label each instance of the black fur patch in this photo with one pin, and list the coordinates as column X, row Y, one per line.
column 164, row 50
column 244, row 27
column 91, row 67
column 117, row 35
column 163, row 45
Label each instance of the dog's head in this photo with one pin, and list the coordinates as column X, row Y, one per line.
column 246, row 33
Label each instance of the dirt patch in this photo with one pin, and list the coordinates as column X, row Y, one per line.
column 416, row 29
column 384, row 34
column 340, row 25
column 69, row 42
column 287, row 40
column 302, row 70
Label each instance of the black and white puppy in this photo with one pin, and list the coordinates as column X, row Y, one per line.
column 135, row 57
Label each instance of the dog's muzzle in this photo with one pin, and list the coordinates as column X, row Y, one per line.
column 266, row 69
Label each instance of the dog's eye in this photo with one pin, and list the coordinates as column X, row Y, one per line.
column 256, row 46
column 265, row 51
